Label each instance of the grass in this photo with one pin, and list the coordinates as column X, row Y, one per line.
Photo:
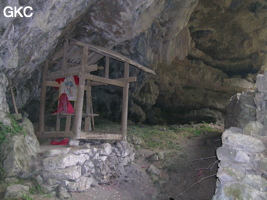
column 168, row 137
column 160, row 137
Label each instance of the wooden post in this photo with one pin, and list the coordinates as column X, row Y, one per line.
column 88, row 124
column 106, row 67
column 124, row 116
column 80, row 95
column 42, row 101
column 58, row 123
column 68, row 123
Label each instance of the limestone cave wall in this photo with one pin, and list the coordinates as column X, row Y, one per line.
column 202, row 51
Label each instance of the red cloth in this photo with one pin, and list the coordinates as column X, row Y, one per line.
column 64, row 105
column 62, row 142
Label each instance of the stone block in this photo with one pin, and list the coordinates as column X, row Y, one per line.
column 69, row 173
column 16, row 191
column 242, row 142
column 78, row 151
column 63, row 161
column 253, row 128
column 153, row 170
column 105, row 149
column 80, row 185
column 55, row 152
column 63, row 193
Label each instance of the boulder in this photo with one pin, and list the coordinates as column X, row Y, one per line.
column 253, row 128
column 21, row 151
column 240, row 110
column 242, row 142
column 16, row 191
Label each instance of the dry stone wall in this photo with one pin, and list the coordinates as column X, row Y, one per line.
column 79, row 168
column 242, row 170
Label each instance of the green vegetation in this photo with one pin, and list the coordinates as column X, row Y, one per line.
column 159, row 137
column 7, row 132
column 26, row 197
column 168, row 137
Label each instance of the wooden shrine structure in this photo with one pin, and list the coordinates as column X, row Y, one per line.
column 78, row 58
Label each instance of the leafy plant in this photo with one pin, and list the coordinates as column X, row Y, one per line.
column 26, row 197
column 37, row 189
column 7, row 131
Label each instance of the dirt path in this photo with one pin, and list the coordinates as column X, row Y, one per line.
column 177, row 173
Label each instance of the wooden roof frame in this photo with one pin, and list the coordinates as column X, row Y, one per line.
column 78, row 58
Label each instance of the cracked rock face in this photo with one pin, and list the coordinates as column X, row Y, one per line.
column 202, row 51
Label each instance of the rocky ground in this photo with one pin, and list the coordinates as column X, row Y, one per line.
column 182, row 166
column 178, row 173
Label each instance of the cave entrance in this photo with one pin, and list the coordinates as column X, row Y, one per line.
column 77, row 59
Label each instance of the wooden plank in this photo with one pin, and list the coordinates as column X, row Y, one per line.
column 42, row 100
column 130, row 79
column 106, row 67
column 71, row 114
column 70, row 72
column 56, row 134
column 80, row 96
column 124, row 115
column 100, row 136
column 113, row 54
column 52, row 84
column 104, row 80
column 60, row 63
column 92, row 83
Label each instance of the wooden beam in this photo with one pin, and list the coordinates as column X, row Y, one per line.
column 124, row 115
column 52, row 84
column 105, row 80
column 70, row 72
column 60, row 63
column 106, row 67
column 56, row 134
column 80, row 96
column 62, row 115
column 100, row 136
column 130, row 79
column 113, row 54
column 42, row 100
column 65, row 54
